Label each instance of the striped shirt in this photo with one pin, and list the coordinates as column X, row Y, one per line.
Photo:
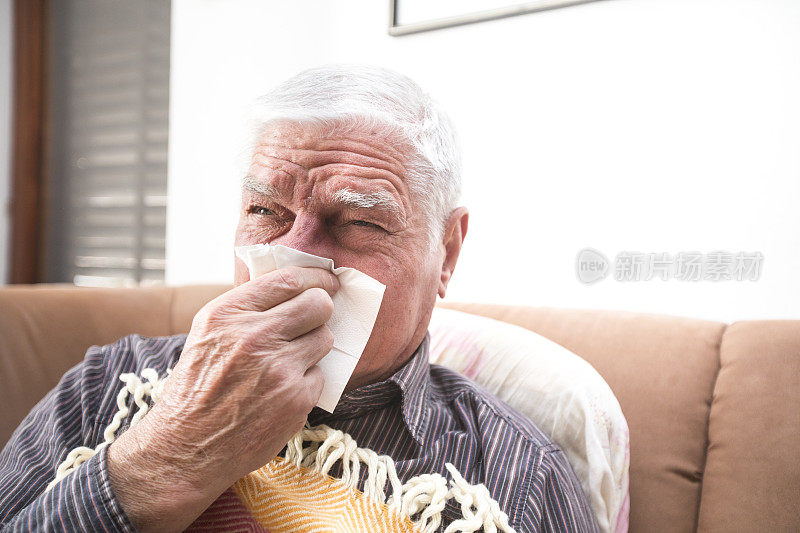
column 423, row 416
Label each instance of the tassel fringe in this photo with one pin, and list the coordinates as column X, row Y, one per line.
column 422, row 498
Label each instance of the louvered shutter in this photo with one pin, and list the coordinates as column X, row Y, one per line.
column 107, row 169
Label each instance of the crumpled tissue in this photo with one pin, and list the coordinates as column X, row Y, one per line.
column 355, row 308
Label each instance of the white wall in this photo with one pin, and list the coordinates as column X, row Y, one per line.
column 624, row 125
column 5, row 134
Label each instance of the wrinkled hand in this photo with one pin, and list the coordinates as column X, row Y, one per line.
column 245, row 382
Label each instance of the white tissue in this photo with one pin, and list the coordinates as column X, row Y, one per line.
column 355, row 308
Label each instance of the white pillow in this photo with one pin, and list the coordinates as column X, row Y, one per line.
column 559, row 391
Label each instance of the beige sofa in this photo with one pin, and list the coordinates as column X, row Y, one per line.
column 713, row 409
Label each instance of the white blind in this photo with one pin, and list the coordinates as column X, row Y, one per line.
column 107, row 171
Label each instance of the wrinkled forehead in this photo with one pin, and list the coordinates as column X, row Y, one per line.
column 292, row 158
column 373, row 140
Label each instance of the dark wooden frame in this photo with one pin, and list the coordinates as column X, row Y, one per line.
column 28, row 138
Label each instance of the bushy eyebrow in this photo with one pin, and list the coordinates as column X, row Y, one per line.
column 361, row 200
column 265, row 189
column 347, row 197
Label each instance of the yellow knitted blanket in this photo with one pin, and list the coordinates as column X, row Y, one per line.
column 296, row 493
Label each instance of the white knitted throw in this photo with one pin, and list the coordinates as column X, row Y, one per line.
column 421, row 498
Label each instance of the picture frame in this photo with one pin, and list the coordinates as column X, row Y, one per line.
column 481, row 10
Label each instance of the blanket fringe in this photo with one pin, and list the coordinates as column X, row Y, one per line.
column 135, row 387
column 422, row 498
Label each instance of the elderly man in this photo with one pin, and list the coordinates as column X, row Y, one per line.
column 356, row 164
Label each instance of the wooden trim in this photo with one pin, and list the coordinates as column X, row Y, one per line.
column 27, row 149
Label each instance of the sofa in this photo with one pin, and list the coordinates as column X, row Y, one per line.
column 713, row 408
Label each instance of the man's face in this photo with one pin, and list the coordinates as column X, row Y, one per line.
column 345, row 196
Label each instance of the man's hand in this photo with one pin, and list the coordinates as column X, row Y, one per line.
column 243, row 386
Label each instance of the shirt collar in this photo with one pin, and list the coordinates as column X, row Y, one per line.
column 410, row 383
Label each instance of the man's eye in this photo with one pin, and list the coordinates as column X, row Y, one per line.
column 364, row 223
column 258, row 210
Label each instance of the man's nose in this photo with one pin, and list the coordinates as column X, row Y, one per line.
column 307, row 234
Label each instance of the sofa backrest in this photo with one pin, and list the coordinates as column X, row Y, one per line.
column 752, row 475
column 740, row 472
column 46, row 329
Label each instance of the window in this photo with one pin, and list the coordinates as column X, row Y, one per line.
column 106, row 135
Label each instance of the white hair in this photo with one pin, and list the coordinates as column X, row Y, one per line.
column 358, row 97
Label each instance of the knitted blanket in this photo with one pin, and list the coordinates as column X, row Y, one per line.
column 297, row 493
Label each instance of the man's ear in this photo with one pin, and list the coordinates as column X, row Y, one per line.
column 454, row 232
